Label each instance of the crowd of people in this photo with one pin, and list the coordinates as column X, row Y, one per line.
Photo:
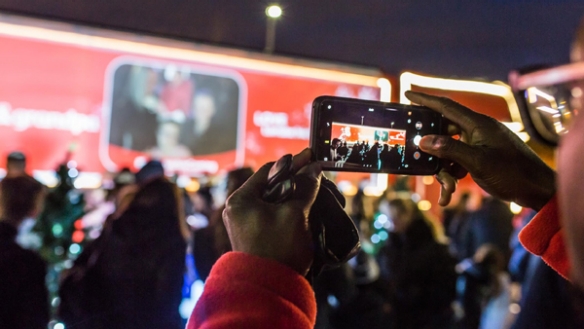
column 134, row 274
column 376, row 156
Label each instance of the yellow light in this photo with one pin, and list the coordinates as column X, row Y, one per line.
column 428, row 180
column 515, row 208
column 193, row 186
column 274, row 11
column 533, row 92
column 496, row 88
column 385, row 89
column 425, row 205
column 177, row 50
column 373, row 191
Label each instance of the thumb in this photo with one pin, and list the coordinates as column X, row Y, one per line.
column 446, row 147
column 307, row 185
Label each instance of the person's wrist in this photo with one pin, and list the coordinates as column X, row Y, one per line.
column 544, row 190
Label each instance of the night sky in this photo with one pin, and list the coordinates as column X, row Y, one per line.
column 471, row 39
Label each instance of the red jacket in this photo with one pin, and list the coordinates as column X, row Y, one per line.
column 544, row 237
column 246, row 291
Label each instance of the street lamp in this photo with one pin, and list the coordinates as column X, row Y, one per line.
column 273, row 12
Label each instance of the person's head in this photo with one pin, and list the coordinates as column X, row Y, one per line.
column 21, row 197
column 156, row 205
column 203, row 200
column 15, row 164
column 401, row 213
column 204, row 107
column 167, row 135
column 151, row 170
column 335, row 143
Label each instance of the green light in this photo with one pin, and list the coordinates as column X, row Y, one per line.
column 57, row 230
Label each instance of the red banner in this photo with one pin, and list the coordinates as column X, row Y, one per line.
column 114, row 108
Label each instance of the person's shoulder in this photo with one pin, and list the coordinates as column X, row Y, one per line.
column 33, row 258
column 29, row 260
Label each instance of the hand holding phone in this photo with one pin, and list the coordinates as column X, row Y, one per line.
column 376, row 137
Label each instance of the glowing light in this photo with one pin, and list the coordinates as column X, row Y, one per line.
column 416, row 197
column 378, row 186
column 533, row 92
column 373, row 191
column 382, row 219
column 375, row 238
column 385, row 89
column 183, row 181
column 96, row 39
column 73, row 172
column 417, row 140
column 428, row 180
column 77, row 237
column 425, row 205
column 347, row 188
column 378, row 225
column 497, row 88
column 515, row 208
column 78, row 224
column 514, row 308
column 59, row 325
column 193, row 186
column 46, row 177
column 57, row 230
column 71, row 164
column 88, row 180
column 75, row 249
column 59, row 250
column 274, row 11
column 55, row 302
column 383, row 235
column 546, row 109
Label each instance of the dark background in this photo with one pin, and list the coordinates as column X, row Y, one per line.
column 466, row 38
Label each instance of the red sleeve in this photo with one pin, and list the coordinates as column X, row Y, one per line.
column 246, row 291
column 544, row 237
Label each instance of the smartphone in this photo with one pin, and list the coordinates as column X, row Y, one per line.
column 376, row 137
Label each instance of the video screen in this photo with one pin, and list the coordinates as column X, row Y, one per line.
column 376, row 137
column 173, row 113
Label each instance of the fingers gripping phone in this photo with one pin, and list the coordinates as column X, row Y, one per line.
column 376, row 137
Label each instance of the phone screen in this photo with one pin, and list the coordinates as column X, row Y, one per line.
column 368, row 136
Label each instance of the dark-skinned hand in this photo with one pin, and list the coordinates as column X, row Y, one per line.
column 275, row 231
column 497, row 159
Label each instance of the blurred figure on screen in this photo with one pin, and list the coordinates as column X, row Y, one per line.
column 15, row 164
column 335, row 144
column 205, row 131
column 177, row 93
column 168, row 142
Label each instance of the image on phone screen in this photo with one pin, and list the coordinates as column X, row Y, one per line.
column 376, row 137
